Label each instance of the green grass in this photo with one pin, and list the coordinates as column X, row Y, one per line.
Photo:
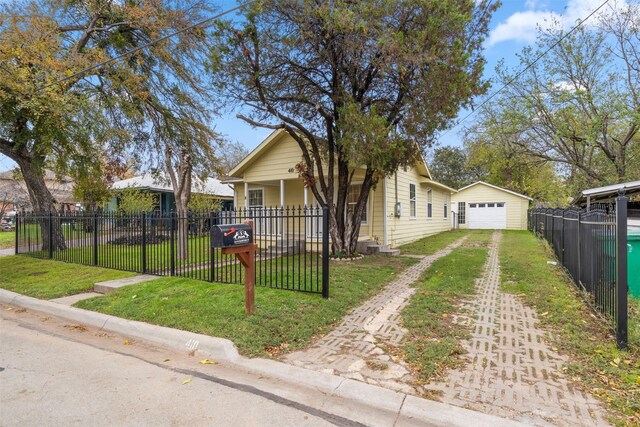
column 50, row 279
column 595, row 362
column 283, row 320
column 7, row 239
column 432, row 244
column 432, row 343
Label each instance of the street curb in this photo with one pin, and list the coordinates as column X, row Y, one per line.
column 218, row 348
column 408, row 410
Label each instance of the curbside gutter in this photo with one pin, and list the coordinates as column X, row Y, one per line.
column 399, row 408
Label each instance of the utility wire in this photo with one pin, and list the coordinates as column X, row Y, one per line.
column 146, row 45
column 521, row 72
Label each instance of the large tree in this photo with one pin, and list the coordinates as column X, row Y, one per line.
column 110, row 107
column 355, row 83
column 578, row 105
column 449, row 165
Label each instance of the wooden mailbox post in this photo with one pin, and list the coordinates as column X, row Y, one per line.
column 237, row 239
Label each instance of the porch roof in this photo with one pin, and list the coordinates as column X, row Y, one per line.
column 607, row 192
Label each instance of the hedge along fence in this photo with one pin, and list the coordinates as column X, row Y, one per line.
column 592, row 245
column 293, row 244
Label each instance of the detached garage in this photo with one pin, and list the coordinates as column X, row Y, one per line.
column 485, row 206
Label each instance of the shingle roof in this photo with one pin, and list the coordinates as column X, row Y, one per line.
column 211, row 186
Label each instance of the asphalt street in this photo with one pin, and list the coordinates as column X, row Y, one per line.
column 55, row 373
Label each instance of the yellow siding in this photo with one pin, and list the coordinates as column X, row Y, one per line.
column 405, row 229
column 276, row 163
column 480, row 193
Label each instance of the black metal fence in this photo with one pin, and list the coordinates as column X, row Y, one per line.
column 592, row 245
column 293, row 244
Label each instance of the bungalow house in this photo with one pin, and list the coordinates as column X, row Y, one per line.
column 166, row 199
column 404, row 207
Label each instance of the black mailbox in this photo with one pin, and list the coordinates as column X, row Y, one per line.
column 226, row 236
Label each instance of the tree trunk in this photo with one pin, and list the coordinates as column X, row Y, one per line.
column 43, row 203
column 183, row 230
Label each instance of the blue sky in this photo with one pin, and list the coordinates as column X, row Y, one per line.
column 513, row 27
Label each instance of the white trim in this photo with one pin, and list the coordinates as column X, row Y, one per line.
column 385, row 240
column 497, row 188
column 281, row 193
column 306, row 196
column 429, row 191
column 246, row 195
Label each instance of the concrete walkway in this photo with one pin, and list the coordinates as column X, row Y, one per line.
column 356, row 348
column 512, row 372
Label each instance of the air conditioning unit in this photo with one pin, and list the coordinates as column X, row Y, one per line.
column 398, row 210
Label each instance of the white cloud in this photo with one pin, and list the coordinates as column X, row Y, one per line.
column 521, row 26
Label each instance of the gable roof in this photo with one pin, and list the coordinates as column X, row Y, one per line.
column 148, row 182
column 265, row 145
column 273, row 138
column 496, row 187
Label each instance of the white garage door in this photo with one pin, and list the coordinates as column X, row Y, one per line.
column 491, row 215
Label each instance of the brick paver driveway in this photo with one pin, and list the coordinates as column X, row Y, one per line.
column 512, row 372
column 356, row 348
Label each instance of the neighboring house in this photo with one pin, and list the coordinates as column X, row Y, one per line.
column 166, row 199
column 486, row 206
column 407, row 206
column 15, row 197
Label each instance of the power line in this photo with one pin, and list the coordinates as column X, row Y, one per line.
column 146, row 45
column 519, row 73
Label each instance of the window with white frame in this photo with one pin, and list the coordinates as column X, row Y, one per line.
column 256, row 198
column 429, row 203
column 412, row 201
column 446, row 206
column 352, row 200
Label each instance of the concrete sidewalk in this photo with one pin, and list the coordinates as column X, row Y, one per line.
column 358, row 401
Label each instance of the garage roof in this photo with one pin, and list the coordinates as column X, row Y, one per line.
column 497, row 188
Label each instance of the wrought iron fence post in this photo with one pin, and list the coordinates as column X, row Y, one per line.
column 17, row 230
column 213, row 220
column 325, row 251
column 579, row 249
column 172, row 242
column 143, row 252
column 95, row 238
column 562, row 238
column 621, row 267
column 50, row 234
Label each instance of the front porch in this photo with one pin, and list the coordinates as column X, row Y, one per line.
column 270, row 201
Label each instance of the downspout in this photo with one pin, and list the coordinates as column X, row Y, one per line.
column 384, row 211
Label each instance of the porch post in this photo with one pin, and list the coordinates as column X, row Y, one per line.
column 305, row 197
column 246, row 195
column 282, row 193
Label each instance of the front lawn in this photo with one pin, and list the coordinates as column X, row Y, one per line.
column 596, row 363
column 432, row 343
column 7, row 239
column 283, row 320
column 432, row 244
column 47, row 279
